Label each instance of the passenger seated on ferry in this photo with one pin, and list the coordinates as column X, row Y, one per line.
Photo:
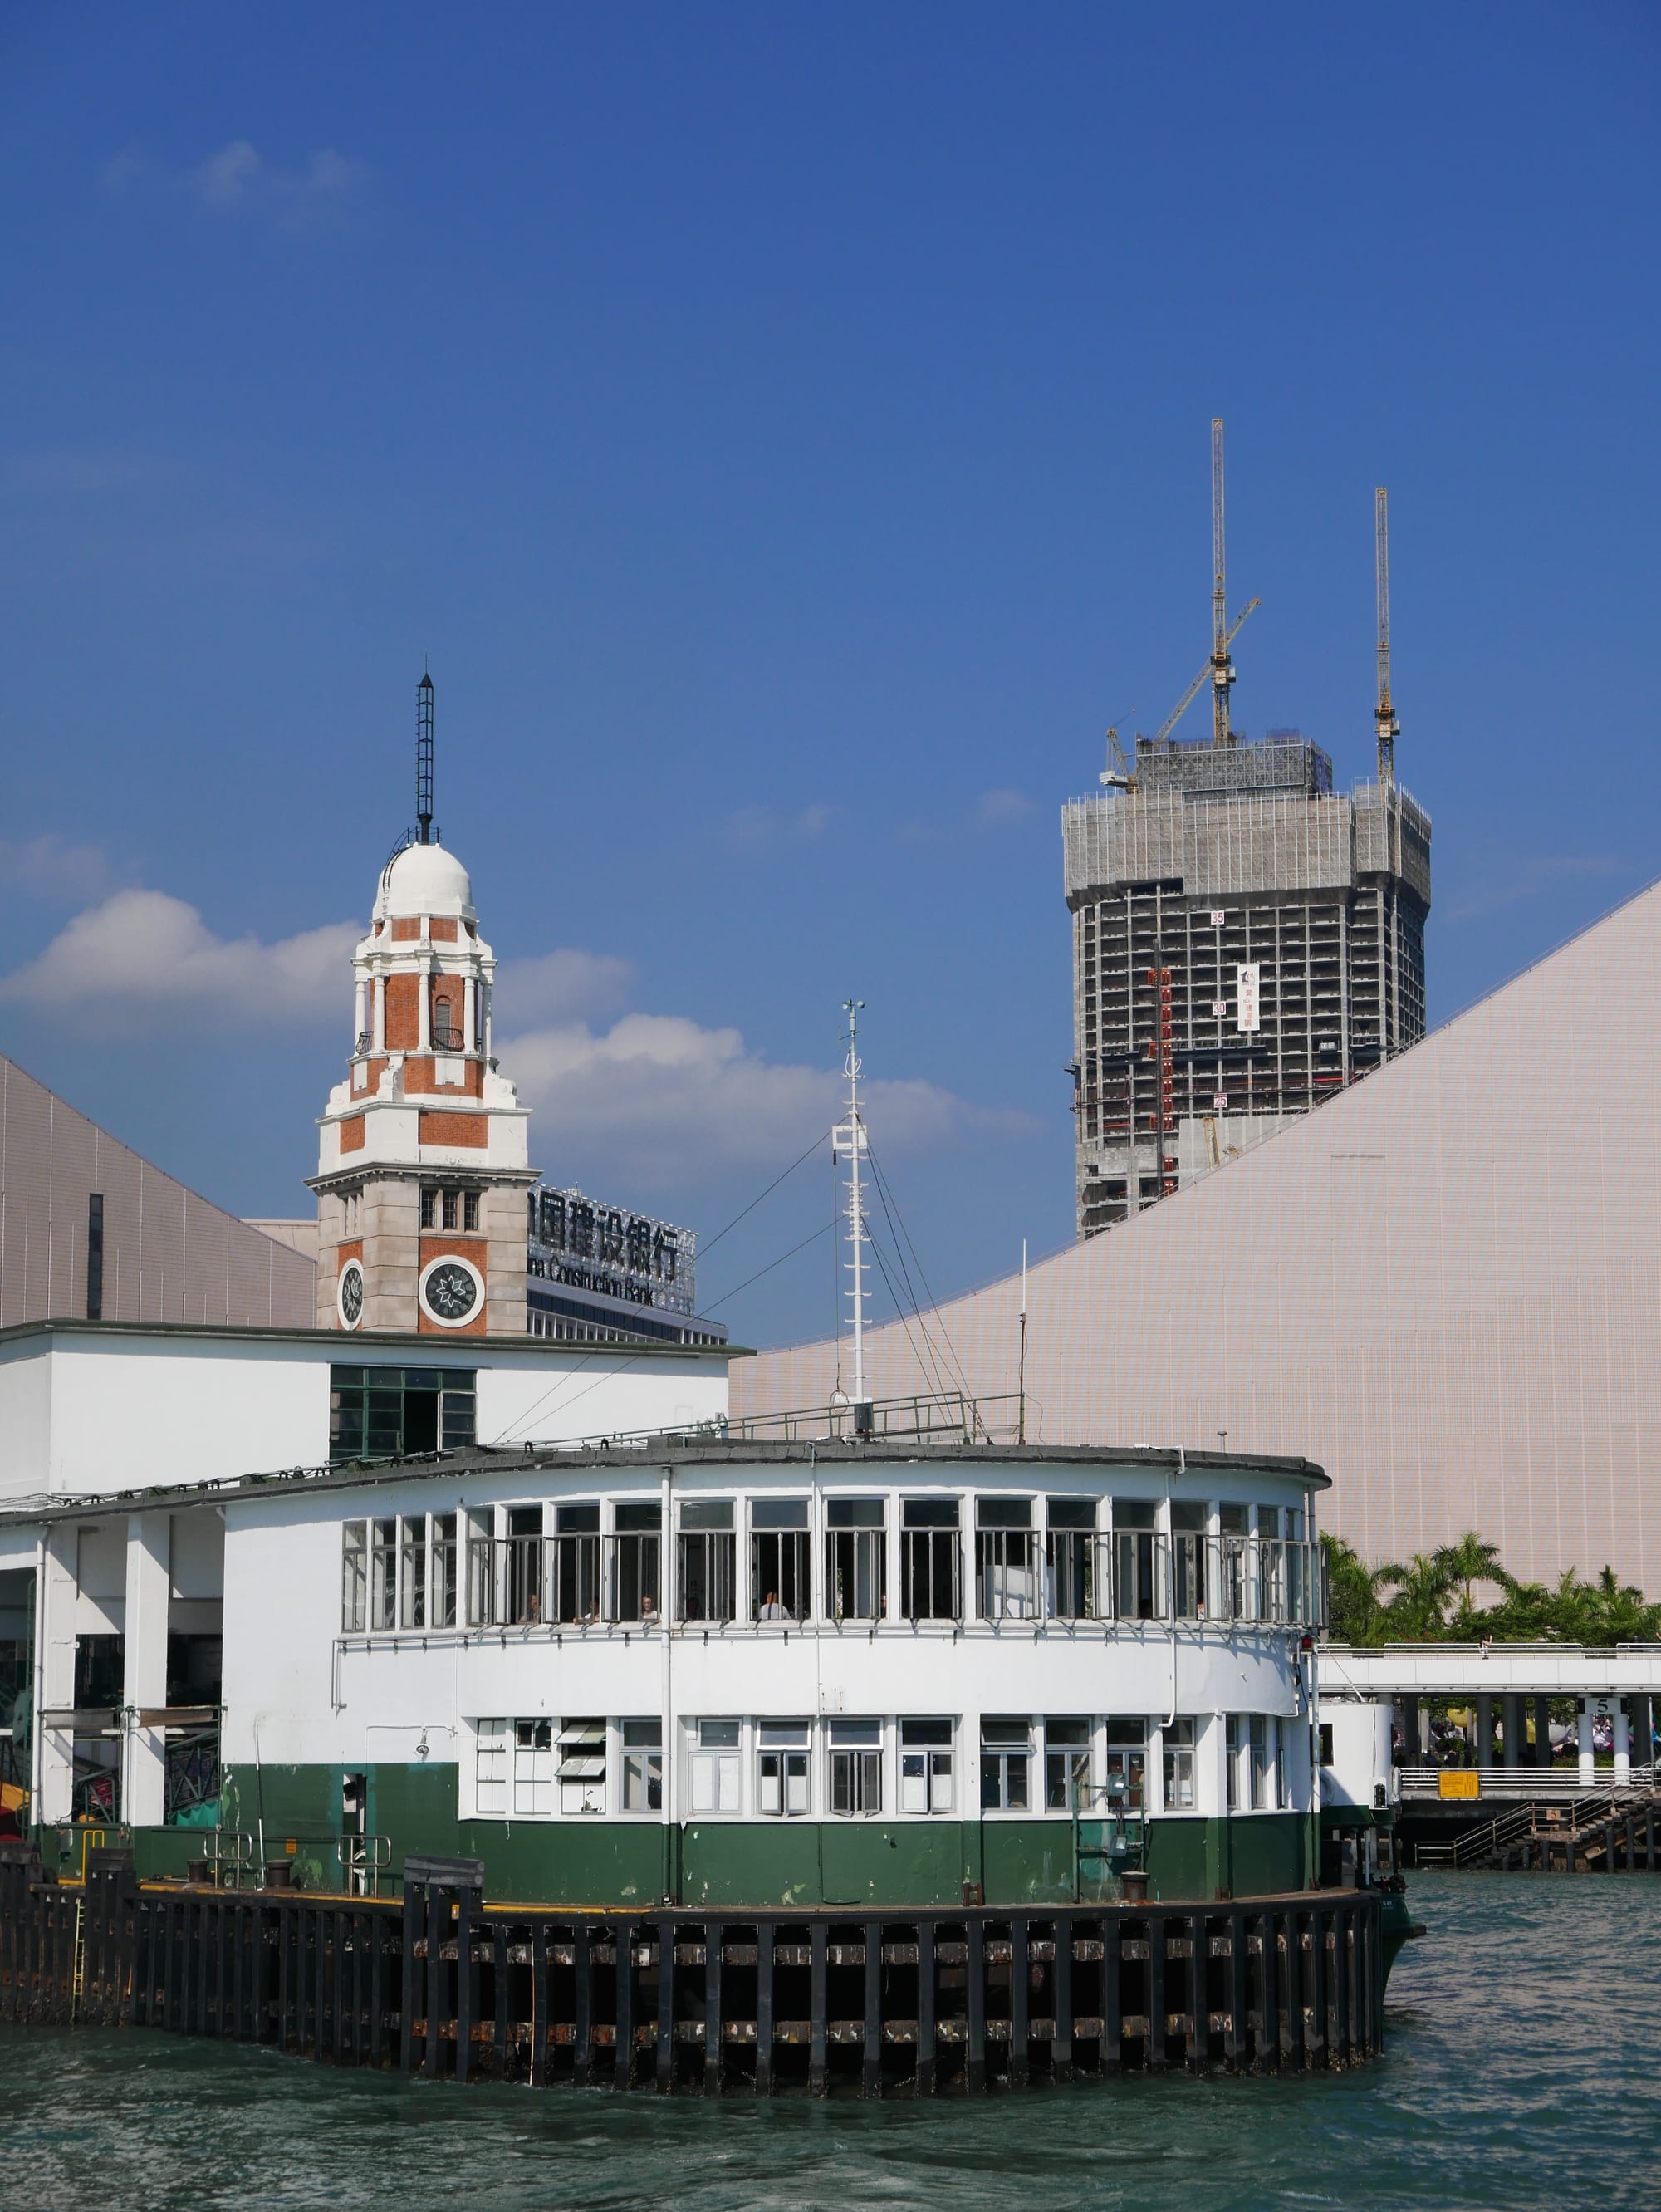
column 771, row 1609
column 648, row 1611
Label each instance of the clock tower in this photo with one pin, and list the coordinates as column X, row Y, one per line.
column 422, row 1164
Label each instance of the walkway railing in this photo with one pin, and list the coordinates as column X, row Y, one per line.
column 1544, row 1784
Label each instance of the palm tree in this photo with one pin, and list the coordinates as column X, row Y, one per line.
column 1472, row 1559
column 1417, row 1613
column 1355, row 1592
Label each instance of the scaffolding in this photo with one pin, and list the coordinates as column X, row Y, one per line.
column 1245, row 943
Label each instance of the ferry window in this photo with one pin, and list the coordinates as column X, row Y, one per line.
column 706, row 1561
column 441, row 1604
column 412, row 1572
column 856, row 1766
column 1177, row 1745
column 1261, row 1766
column 635, row 1595
column 582, row 1767
column 929, row 1560
column 1006, row 1581
column 1127, row 1762
column 1269, row 1520
column 480, row 1570
column 1005, row 1759
column 1231, row 1764
column 1228, row 1600
column 1070, row 1557
column 576, row 1563
column 354, row 1577
column 490, row 1769
column 1326, row 1734
column 714, row 1767
column 533, row 1769
column 1137, row 1561
column 1066, row 1763
column 925, row 1766
column 781, row 1767
column 779, row 1559
column 1188, row 1590
column 523, row 1593
column 643, row 1766
column 1230, row 1520
column 383, row 1574
column 856, row 1559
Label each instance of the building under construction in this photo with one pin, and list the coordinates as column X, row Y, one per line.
column 1245, row 941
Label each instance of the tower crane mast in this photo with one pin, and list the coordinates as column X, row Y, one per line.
column 1389, row 728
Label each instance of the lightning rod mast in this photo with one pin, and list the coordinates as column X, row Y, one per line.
column 1384, row 714
column 424, row 759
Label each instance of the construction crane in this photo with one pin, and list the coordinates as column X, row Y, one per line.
column 1384, row 714
column 1225, row 639
column 1118, row 773
column 1223, row 669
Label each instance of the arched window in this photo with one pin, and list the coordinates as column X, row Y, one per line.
column 446, row 1036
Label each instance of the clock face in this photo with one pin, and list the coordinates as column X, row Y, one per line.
column 450, row 1290
column 351, row 1294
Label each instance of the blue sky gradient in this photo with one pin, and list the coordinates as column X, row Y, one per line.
column 785, row 433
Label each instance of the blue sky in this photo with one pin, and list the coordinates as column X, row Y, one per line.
column 785, row 433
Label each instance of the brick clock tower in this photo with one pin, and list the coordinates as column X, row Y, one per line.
column 421, row 1164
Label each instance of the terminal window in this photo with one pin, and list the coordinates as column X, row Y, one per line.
column 389, row 1412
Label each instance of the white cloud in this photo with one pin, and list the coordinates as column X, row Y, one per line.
column 666, row 1102
column 237, row 180
column 557, row 986
column 995, row 808
column 143, row 956
column 753, row 826
column 48, row 868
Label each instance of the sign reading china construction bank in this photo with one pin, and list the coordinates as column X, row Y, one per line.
column 577, row 1241
column 1247, row 1006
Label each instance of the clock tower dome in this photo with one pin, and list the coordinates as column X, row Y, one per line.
column 422, row 1164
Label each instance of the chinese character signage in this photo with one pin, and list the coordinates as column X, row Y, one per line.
column 601, row 1248
column 1248, row 1012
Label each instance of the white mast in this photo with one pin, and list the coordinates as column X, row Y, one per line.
column 850, row 1138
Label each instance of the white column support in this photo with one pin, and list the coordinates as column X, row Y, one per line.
column 143, row 1780
column 1212, row 1768
column 1622, row 1746
column 378, row 991
column 56, row 1595
column 1582, row 1728
column 424, row 1008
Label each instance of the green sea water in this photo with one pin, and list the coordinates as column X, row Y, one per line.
column 1524, row 2070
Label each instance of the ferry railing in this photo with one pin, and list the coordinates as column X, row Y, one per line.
column 937, row 1417
column 362, row 1860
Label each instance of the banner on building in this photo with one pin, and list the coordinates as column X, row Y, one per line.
column 1247, row 1017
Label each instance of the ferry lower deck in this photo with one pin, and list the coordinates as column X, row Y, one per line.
column 446, row 1983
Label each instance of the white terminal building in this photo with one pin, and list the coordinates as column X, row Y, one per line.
column 432, row 1535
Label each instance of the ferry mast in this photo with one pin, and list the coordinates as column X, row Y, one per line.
column 849, row 1138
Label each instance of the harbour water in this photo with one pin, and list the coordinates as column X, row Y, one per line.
column 1521, row 2072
